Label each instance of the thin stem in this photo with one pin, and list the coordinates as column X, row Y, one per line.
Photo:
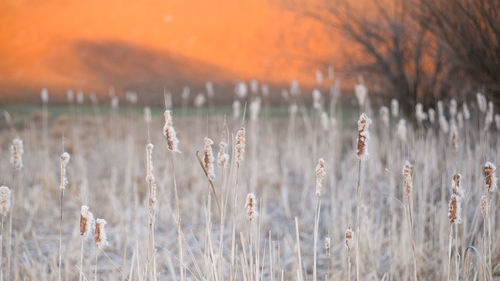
column 233, row 241
column 358, row 192
column 450, row 239
column 315, row 238
column 95, row 268
column 81, row 260
column 60, row 232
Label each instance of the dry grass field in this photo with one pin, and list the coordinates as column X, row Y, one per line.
column 273, row 211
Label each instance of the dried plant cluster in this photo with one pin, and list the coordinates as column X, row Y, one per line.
column 262, row 204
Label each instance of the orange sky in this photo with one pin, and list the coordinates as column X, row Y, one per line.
column 246, row 39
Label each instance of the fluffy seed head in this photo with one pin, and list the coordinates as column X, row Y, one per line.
column 222, row 156
column 363, row 136
column 327, row 246
column 465, row 110
column 16, row 153
column 395, row 107
column 240, row 145
column 456, row 186
column 443, row 124
column 489, row 116
column 484, row 205
column 152, row 202
column 320, row 175
column 4, row 200
column 44, row 94
column 453, row 108
column 64, row 163
column 101, row 239
column 408, row 177
column 419, row 113
column 169, row 133
column 490, row 177
column 432, row 115
column 454, row 210
column 384, row 114
column 208, row 158
column 149, row 163
column 361, row 92
column 402, row 130
column 251, row 205
column 348, row 237
column 87, row 222
column 481, row 102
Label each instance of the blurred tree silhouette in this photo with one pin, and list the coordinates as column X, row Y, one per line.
column 417, row 51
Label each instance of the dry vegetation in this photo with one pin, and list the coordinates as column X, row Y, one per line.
column 305, row 197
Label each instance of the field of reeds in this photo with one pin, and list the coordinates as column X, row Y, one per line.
column 248, row 196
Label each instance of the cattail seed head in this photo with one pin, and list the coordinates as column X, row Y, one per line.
column 490, row 177
column 443, row 124
column 16, row 153
column 222, row 156
column 432, row 115
column 484, row 205
column 363, row 136
column 320, row 175
column 251, row 205
column 5, row 195
column 101, row 239
column 147, row 114
column 456, row 186
column 419, row 113
column 454, row 137
column 348, row 237
column 395, row 107
column 169, row 133
column 64, row 163
column 327, row 246
column 152, row 202
column 453, row 108
column 489, row 116
column 87, row 222
column 240, row 145
column 408, row 178
column 481, row 102
column 465, row 110
column 384, row 114
column 454, row 210
column 402, row 130
column 44, row 94
column 149, row 163
column 208, row 158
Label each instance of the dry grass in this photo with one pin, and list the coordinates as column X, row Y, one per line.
column 401, row 228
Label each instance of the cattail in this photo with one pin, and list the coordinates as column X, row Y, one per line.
column 208, row 158
column 456, row 186
column 70, row 96
column 443, row 124
column 147, row 114
column 363, row 136
column 395, row 107
column 185, row 93
column 44, row 95
column 199, row 100
column 222, row 156
column 80, row 97
column 254, row 86
column 115, row 102
column 293, row 109
column 402, row 130
column 236, row 109
column 251, row 205
column 87, row 222
column 361, row 92
column 481, row 102
column 255, row 109
column 432, row 115
column 490, row 177
column 497, row 121
column 348, row 237
column 101, row 239
column 324, row 121
column 169, row 133
column 4, row 200
column 454, row 137
column 484, row 205
column 489, row 116
column 149, row 163
column 294, row 88
column 316, row 94
column 408, row 178
column 384, row 114
column 454, row 210
column 241, row 90
column 16, row 153
column 419, row 113
column 320, row 175
column 152, row 199
column 327, row 246
column 240, row 145
column 209, row 86
column 440, row 108
column 64, row 162
column 453, row 108
column 466, row 111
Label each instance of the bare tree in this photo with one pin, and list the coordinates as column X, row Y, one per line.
column 398, row 52
column 471, row 31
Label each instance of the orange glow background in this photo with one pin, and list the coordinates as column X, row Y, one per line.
column 149, row 44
